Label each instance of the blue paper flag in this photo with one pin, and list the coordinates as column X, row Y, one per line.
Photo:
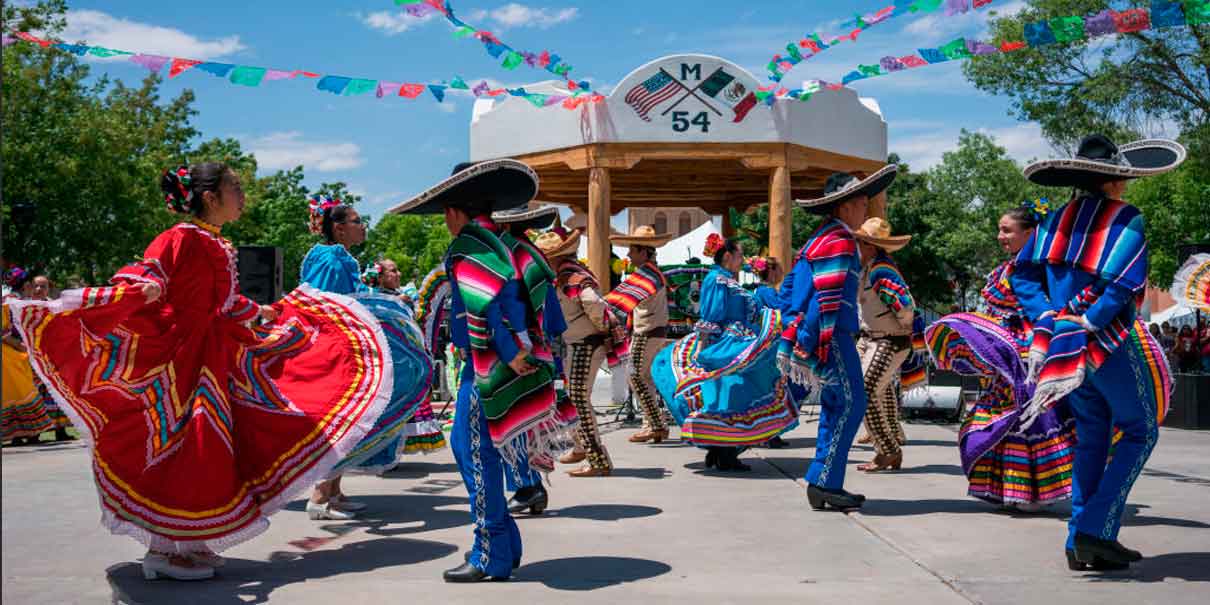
column 517, row 92
column 933, row 55
column 852, row 76
column 219, row 69
column 75, row 49
column 493, row 49
column 1039, row 34
column 438, row 92
column 333, row 84
column 1167, row 14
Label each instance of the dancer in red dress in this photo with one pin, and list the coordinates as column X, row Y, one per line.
column 201, row 423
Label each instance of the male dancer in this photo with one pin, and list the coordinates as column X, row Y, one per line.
column 817, row 348
column 641, row 302
column 505, row 390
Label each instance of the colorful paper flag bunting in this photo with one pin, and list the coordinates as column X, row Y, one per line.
column 247, row 76
column 1167, row 14
column 411, row 91
column 333, row 84
column 217, row 69
column 438, row 92
column 1039, row 34
column 180, row 66
column 151, row 62
column 1067, row 29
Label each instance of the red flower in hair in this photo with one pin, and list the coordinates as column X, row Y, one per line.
column 315, row 211
column 714, row 243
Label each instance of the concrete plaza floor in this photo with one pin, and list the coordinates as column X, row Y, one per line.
column 661, row 530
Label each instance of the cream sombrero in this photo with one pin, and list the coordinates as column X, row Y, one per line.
column 1098, row 161
column 492, row 186
column 643, row 235
column 877, row 232
column 841, row 186
column 526, row 218
column 554, row 245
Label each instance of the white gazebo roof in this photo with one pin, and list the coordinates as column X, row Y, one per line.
column 832, row 121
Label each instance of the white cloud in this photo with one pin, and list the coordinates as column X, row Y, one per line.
column 285, row 150
column 393, row 22
column 925, row 146
column 102, row 29
column 520, row 15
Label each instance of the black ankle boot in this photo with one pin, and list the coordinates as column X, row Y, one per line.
column 467, row 573
column 1089, row 548
column 1098, row 564
column 534, row 499
column 729, row 460
column 820, row 499
column 711, row 457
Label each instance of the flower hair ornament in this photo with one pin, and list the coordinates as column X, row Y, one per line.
column 758, row 263
column 315, row 212
column 1039, row 207
column 16, row 277
column 370, row 276
column 714, row 243
column 180, row 201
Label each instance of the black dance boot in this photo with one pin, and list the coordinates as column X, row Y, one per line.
column 776, row 443
column 1089, row 548
column 1098, row 564
column 467, row 573
column 821, row 498
column 729, row 460
column 533, row 498
column 711, row 457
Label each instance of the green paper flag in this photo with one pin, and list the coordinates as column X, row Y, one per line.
column 247, row 76
column 359, row 86
column 538, row 100
column 761, row 95
column 925, row 6
column 463, row 32
column 99, row 51
column 1067, row 29
column 512, row 60
column 563, row 69
column 955, row 49
column 869, row 70
column 1197, row 12
column 459, row 84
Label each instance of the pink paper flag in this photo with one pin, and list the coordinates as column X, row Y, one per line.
column 913, row 61
column 151, row 62
column 555, row 99
column 480, row 89
column 278, row 74
column 387, row 89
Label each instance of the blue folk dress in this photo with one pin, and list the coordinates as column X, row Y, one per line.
column 722, row 382
column 330, row 267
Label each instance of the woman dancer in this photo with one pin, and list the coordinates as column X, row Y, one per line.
column 24, row 416
column 1006, row 463
column 721, row 382
column 330, row 267
column 1078, row 278
column 202, row 425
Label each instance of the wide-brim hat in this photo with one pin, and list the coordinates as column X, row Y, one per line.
column 1098, row 161
column 527, row 218
column 842, row 186
column 554, row 245
column 490, row 186
column 877, row 232
column 643, row 235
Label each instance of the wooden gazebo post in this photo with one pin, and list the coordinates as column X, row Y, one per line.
column 598, row 223
column 780, row 214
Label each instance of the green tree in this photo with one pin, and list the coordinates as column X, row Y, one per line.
column 1117, row 84
column 415, row 243
column 79, row 158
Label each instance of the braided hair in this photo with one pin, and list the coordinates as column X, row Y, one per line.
column 184, row 187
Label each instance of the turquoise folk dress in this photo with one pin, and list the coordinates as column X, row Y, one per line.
column 721, row 382
column 331, row 268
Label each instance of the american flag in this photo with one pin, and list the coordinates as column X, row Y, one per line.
column 651, row 92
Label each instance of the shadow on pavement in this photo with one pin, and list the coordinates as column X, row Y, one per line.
column 410, row 513
column 603, row 512
column 589, row 573
column 419, row 470
column 1187, row 566
column 657, row 472
column 876, row 507
column 925, row 469
column 244, row 581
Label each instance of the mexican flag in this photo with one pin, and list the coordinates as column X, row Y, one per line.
column 722, row 86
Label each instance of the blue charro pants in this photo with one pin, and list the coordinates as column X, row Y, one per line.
column 521, row 475
column 497, row 539
column 842, row 409
column 1121, row 393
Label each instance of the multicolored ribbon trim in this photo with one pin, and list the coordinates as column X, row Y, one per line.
column 513, row 58
column 1162, row 14
column 247, row 75
column 813, row 44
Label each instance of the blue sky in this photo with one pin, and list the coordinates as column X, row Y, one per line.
column 388, row 149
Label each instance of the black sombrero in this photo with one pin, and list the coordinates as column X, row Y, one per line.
column 841, row 186
column 1099, row 161
column 489, row 186
column 541, row 217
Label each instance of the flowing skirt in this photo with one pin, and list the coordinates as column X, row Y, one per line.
column 1004, row 462
column 380, row 449
column 24, row 412
column 201, row 427
column 727, row 392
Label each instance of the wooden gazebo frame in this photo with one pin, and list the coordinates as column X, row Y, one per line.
column 602, row 179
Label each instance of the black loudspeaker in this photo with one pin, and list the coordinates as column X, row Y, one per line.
column 260, row 270
column 1183, row 252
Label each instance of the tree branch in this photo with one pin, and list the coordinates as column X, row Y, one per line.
column 1162, row 52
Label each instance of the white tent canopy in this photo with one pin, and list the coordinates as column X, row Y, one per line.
column 1177, row 315
column 675, row 252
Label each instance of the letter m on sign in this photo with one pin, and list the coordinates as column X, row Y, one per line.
column 695, row 70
